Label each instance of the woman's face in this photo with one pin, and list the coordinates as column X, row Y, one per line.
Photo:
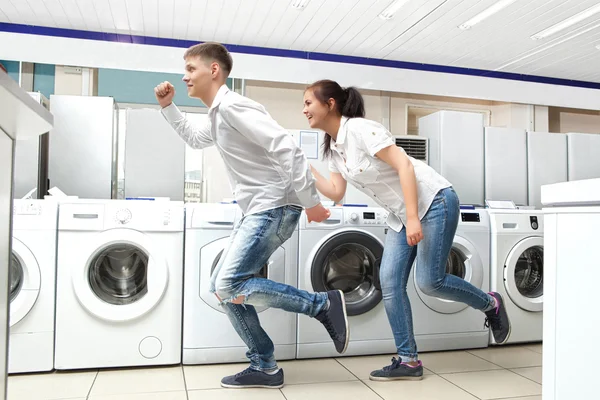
column 315, row 111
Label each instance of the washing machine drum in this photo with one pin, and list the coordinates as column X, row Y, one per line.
column 16, row 277
column 349, row 262
column 529, row 273
column 118, row 274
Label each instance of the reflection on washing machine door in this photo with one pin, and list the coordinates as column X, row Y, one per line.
column 119, row 274
column 463, row 262
column 122, row 275
column 15, row 276
column 524, row 274
column 349, row 261
column 25, row 281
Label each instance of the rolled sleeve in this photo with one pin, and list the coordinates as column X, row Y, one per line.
column 374, row 136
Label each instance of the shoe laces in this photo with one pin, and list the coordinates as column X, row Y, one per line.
column 330, row 329
column 395, row 364
column 493, row 319
column 247, row 371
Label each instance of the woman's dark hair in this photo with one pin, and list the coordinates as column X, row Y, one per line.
column 349, row 103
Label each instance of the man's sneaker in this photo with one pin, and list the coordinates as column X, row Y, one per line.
column 398, row 371
column 335, row 320
column 497, row 320
column 251, row 378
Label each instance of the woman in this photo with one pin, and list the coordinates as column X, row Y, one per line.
column 423, row 216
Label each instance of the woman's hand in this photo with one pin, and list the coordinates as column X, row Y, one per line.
column 414, row 234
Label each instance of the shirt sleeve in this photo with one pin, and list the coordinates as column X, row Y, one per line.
column 332, row 166
column 197, row 137
column 252, row 121
column 373, row 135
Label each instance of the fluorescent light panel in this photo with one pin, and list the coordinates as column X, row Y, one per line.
column 393, row 8
column 497, row 6
column 299, row 4
column 567, row 22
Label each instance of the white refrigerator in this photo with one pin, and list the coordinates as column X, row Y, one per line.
column 546, row 162
column 583, row 150
column 506, row 165
column 456, row 151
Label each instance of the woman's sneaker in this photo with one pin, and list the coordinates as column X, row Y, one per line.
column 335, row 320
column 497, row 320
column 398, row 371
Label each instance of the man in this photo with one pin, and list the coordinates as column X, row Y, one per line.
column 272, row 183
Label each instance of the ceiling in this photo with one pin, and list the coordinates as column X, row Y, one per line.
column 422, row 31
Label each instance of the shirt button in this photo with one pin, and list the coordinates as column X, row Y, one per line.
column 373, row 133
column 360, row 170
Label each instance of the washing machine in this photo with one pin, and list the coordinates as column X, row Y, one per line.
column 517, row 264
column 208, row 336
column 344, row 253
column 32, row 286
column 119, row 283
column 447, row 325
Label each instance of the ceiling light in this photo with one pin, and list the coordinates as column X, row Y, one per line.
column 567, row 22
column 497, row 6
column 389, row 12
column 598, row 47
column 299, row 4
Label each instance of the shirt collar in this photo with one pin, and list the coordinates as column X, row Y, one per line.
column 223, row 90
column 341, row 135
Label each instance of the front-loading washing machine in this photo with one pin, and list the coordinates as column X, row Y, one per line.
column 517, row 270
column 32, row 286
column 119, row 283
column 446, row 325
column 344, row 253
column 208, row 336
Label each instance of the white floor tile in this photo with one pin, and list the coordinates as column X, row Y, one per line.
column 181, row 395
column 538, row 348
column 50, row 386
column 363, row 365
column 142, row 380
column 431, row 387
column 354, row 390
column 533, row 373
column 315, row 371
column 494, row 384
column 236, row 394
column 455, row 361
column 510, row 356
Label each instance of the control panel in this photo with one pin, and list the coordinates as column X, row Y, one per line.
column 365, row 216
column 27, row 208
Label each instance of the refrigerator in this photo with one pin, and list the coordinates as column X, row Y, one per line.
column 456, row 151
column 546, row 162
column 583, row 156
column 506, row 165
column 82, row 146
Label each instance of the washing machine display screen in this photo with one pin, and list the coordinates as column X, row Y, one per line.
column 118, row 274
column 529, row 272
column 15, row 276
column 455, row 264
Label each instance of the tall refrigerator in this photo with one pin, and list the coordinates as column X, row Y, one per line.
column 506, row 165
column 83, row 146
column 456, row 151
column 583, row 156
column 546, row 162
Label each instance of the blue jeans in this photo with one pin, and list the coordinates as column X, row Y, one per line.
column 251, row 244
column 438, row 226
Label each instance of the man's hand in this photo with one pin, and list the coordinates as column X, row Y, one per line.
column 317, row 213
column 164, row 93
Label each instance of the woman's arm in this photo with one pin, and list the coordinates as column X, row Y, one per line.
column 333, row 189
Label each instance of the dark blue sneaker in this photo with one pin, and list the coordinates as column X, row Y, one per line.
column 398, row 371
column 251, row 378
column 335, row 320
column 497, row 320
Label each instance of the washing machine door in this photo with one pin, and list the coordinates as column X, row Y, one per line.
column 210, row 256
column 125, row 275
column 349, row 261
column 524, row 274
column 24, row 279
column 464, row 261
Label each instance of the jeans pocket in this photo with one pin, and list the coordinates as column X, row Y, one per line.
column 288, row 222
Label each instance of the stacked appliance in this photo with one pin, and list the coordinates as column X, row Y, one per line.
column 208, row 336
column 344, row 253
column 517, row 269
column 32, row 286
column 119, row 283
column 444, row 325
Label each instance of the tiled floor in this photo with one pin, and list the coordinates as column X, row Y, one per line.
column 510, row 372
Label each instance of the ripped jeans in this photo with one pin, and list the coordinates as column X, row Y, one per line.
column 253, row 241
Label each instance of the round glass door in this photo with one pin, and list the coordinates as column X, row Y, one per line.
column 118, row 274
column 524, row 274
column 24, row 281
column 15, row 276
column 349, row 261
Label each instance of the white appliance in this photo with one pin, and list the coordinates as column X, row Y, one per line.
column 456, row 151
column 415, row 146
column 119, row 283
column 208, row 336
column 446, row 325
column 517, row 270
column 546, row 162
column 571, row 238
column 583, row 160
column 32, row 286
column 344, row 252
column 506, row 165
